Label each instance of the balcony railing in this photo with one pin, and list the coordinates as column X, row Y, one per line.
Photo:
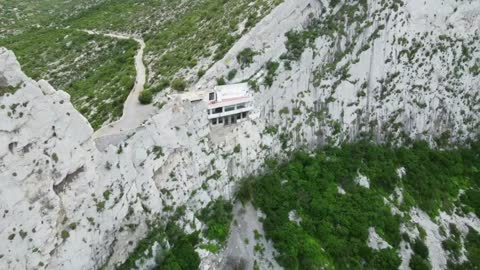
column 223, row 114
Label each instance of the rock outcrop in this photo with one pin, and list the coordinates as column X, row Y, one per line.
column 409, row 71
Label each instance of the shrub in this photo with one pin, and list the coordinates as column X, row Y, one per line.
column 420, row 249
column 221, row 81
column 158, row 151
column 200, row 73
column 182, row 255
column 231, row 74
column 164, row 83
column 237, row 148
column 23, row 234
column 217, row 216
column 55, row 157
column 145, row 97
column 418, row 263
column 272, row 130
column 284, row 110
column 245, row 57
column 65, row 234
column 254, row 85
column 271, row 67
column 179, row 84
column 4, row 90
column 100, row 206
column 106, row 194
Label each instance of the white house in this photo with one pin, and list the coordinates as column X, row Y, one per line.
column 228, row 104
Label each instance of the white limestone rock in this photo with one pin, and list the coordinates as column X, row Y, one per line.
column 375, row 241
column 362, row 181
column 55, row 175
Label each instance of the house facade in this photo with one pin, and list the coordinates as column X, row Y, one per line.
column 228, row 104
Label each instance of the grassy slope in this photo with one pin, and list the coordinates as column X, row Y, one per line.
column 178, row 35
column 97, row 72
column 20, row 15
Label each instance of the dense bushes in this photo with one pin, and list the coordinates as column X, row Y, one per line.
column 217, row 216
column 334, row 227
column 419, row 260
column 180, row 256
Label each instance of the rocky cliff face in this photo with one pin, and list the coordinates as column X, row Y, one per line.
column 386, row 70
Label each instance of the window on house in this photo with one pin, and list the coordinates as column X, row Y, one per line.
column 214, row 121
column 226, row 120
column 244, row 114
column 218, row 110
column 220, row 120
column 239, row 116
column 229, row 108
column 211, row 96
column 241, row 106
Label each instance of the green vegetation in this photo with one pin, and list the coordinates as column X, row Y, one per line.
column 158, row 151
column 72, row 226
column 181, row 254
column 182, row 38
column 472, row 246
column 8, row 90
column 106, row 194
column 20, row 15
column 254, row 85
column 237, row 148
column 100, row 206
column 179, row 84
column 98, row 72
column 55, row 157
column 22, row 234
column 419, row 260
column 145, row 97
column 212, row 247
column 333, row 232
column 271, row 67
column 231, row 74
column 245, row 57
column 271, row 130
column 66, row 57
column 65, row 234
column 221, row 81
column 217, row 216
column 284, row 110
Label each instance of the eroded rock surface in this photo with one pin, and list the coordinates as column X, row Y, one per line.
column 407, row 72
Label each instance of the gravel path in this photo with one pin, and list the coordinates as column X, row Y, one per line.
column 134, row 113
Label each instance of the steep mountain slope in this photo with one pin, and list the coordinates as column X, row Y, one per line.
column 384, row 71
column 183, row 38
column 86, row 203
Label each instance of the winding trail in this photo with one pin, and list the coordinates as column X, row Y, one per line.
column 134, row 113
